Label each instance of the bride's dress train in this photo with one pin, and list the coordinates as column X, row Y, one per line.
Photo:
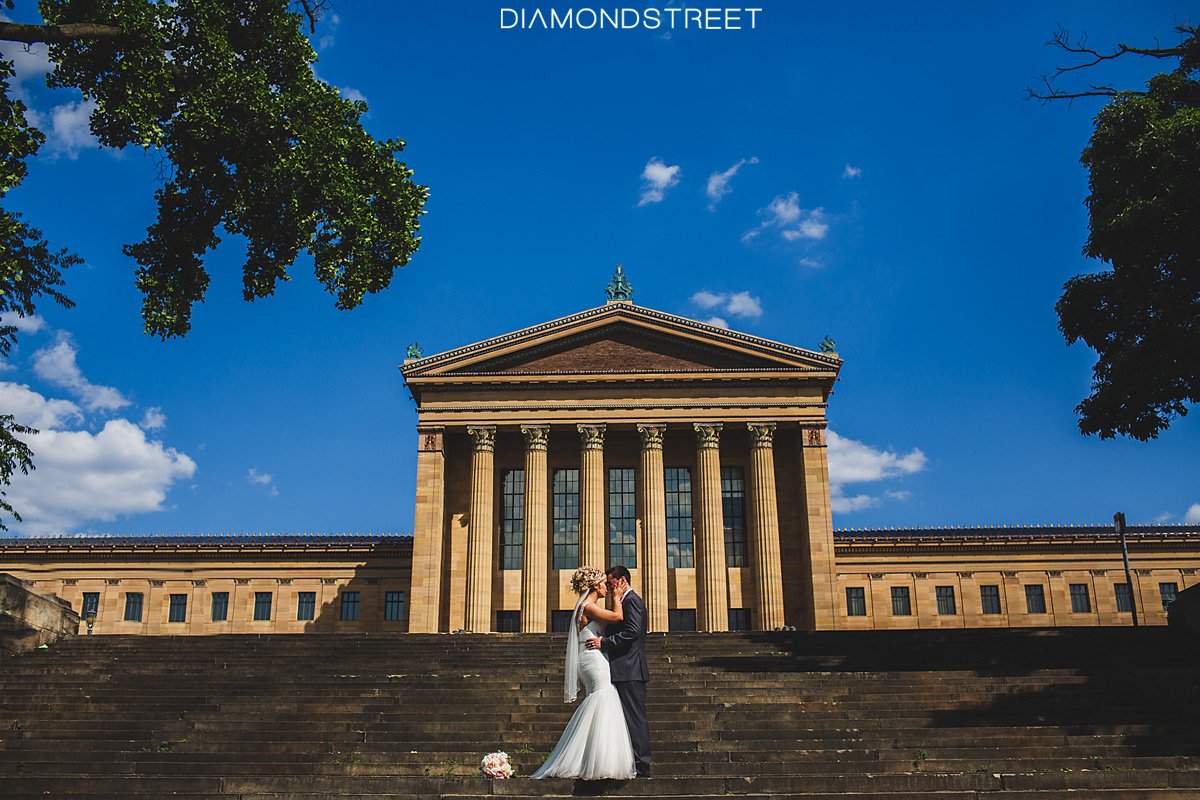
column 595, row 744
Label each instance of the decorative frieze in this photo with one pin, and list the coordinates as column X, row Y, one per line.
column 69, row 582
column 328, row 581
column 537, row 437
column 812, row 437
column 284, row 581
column 156, row 582
column 430, row 438
column 241, row 581
column 112, row 581
column 199, row 584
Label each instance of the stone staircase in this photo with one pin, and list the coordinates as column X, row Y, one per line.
column 888, row 715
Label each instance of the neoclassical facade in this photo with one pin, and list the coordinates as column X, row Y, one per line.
column 692, row 454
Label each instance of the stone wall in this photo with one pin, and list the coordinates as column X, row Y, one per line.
column 28, row 620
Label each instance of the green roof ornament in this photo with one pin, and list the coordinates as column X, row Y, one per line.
column 618, row 289
column 828, row 345
column 414, row 351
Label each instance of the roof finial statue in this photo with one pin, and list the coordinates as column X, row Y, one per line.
column 414, row 351
column 828, row 345
column 618, row 289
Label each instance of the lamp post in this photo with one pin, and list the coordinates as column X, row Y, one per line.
column 90, row 618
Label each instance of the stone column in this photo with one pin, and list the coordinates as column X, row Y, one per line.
column 425, row 593
column 764, row 529
column 654, row 527
column 712, row 579
column 479, row 529
column 818, row 544
column 593, row 544
column 533, row 567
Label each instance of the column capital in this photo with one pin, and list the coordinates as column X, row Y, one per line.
column 763, row 433
column 592, row 435
column 536, row 436
column 483, row 436
column 708, row 435
column 652, row 434
column 812, row 436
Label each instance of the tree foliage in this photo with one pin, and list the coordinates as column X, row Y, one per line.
column 1142, row 314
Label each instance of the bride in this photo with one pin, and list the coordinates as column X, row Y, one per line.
column 595, row 744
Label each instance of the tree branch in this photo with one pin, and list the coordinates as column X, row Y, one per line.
column 58, row 34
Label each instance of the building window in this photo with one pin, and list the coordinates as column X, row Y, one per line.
column 739, row 619
column 622, row 518
column 989, row 598
column 349, row 606
column 393, row 606
column 306, row 605
column 508, row 621
column 177, row 610
column 91, row 604
column 945, row 601
column 1124, row 597
column 512, row 518
column 560, row 621
column 1035, row 599
column 262, row 605
column 901, row 605
column 1081, row 603
column 856, row 601
column 733, row 505
column 566, row 519
column 679, row 517
column 681, row 619
column 1167, row 592
column 220, row 606
column 133, row 606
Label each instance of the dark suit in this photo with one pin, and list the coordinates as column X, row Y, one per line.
column 625, row 643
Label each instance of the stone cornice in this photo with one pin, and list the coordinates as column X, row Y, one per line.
column 203, row 546
column 1024, row 540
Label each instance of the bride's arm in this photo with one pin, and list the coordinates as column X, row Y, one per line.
column 595, row 611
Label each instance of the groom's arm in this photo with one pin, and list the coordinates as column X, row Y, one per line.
column 633, row 627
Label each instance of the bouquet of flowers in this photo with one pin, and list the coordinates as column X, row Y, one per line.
column 496, row 766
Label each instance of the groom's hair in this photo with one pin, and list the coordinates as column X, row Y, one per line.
column 619, row 572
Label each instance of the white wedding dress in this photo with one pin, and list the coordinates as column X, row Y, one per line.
column 595, row 744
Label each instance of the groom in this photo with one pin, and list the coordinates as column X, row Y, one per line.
column 625, row 643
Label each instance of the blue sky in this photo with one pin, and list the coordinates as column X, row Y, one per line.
column 893, row 190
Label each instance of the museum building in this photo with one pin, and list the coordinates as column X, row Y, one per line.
column 692, row 454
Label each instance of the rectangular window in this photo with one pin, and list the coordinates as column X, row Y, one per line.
column 679, row 517
column 1124, row 597
column 262, row 605
column 901, row 604
column 681, row 619
column 1081, row 602
column 945, row 601
column 739, row 619
column 622, row 518
column 512, row 518
column 349, row 611
column 220, row 606
column 393, row 606
column 508, row 621
column 306, row 605
column 733, row 505
column 133, row 606
column 1035, row 599
column 91, row 604
column 1167, row 592
column 560, row 620
column 177, row 610
column 566, row 520
column 856, row 601
column 989, row 598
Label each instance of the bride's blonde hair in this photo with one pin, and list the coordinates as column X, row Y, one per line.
column 585, row 579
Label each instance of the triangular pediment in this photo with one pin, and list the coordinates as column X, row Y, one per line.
column 620, row 339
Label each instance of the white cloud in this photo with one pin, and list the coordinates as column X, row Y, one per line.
column 1192, row 515
column 66, row 128
column 811, row 263
column 785, row 215
column 851, row 461
column 32, row 409
column 737, row 304
column 326, row 41
column 657, row 178
column 353, row 94
column 718, row 182
column 31, row 324
column 153, row 420
column 851, row 172
column 83, row 476
column 263, row 479
column 716, row 322
column 56, row 364
column 31, row 61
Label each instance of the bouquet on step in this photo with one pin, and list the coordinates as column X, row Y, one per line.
column 496, row 766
